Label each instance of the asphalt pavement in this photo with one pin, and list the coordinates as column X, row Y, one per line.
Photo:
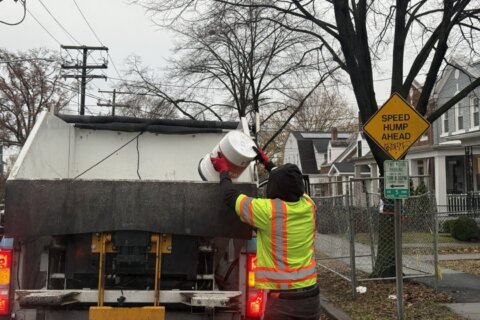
column 463, row 287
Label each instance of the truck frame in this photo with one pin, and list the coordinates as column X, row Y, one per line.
column 110, row 220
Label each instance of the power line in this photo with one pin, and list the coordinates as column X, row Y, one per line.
column 85, row 19
column 58, row 23
column 43, row 27
column 113, row 104
column 114, row 66
column 24, row 2
column 84, row 67
column 68, row 33
column 73, row 89
column 96, row 36
column 220, row 88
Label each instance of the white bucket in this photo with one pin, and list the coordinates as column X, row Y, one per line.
column 237, row 149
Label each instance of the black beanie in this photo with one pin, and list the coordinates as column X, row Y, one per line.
column 285, row 183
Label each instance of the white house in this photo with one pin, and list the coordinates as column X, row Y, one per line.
column 309, row 150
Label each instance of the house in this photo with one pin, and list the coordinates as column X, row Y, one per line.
column 448, row 153
column 456, row 134
column 309, row 150
column 342, row 165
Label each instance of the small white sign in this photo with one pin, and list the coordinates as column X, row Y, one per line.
column 397, row 179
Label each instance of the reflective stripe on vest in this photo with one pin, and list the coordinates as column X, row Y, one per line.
column 279, row 234
column 246, row 210
column 286, row 276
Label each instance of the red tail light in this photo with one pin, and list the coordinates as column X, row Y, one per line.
column 255, row 303
column 5, row 275
column 255, row 297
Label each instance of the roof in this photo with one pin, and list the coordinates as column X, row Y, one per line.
column 307, row 156
column 471, row 69
column 320, row 139
column 344, row 167
column 131, row 124
column 311, row 142
column 321, row 145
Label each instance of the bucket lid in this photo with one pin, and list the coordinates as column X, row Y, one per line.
column 241, row 143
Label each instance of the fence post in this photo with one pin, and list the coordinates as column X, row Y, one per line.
column 352, row 239
column 435, row 248
column 370, row 223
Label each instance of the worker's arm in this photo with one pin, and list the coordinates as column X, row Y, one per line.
column 253, row 211
column 229, row 192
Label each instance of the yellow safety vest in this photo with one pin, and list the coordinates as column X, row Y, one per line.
column 285, row 240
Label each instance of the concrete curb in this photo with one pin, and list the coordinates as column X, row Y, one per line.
column 331, row 310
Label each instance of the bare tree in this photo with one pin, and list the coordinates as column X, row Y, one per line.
column 29, row 83
column 147, row 106
column 323, row 111
column 242, row 62
column 359, row 35
column 167, row 100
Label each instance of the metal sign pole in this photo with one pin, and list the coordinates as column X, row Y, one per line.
column 398, row 257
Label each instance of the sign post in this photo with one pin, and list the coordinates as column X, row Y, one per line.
column 395, row 127
column 397, row 186
column 399, row 257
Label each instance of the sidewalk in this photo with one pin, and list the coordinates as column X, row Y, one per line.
column 463, row 287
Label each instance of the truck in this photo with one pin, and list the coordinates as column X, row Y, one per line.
column 107, row 217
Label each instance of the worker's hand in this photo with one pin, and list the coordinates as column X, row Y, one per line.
column 261, row 156
column 219, row 163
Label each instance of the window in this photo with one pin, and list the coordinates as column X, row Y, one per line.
column 420, row 168
column 420, row 171
column 445, row 122
column 359, row 148
column 459, row 116
column 474, row 109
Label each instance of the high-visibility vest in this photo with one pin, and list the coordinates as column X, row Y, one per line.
column 285, row 240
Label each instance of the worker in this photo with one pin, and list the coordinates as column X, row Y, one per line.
column 285, row 227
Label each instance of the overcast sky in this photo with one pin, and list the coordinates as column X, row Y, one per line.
column 125, row 29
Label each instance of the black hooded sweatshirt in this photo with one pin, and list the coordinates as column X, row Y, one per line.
column 285, row 183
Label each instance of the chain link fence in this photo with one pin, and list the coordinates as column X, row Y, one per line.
column 355, row 230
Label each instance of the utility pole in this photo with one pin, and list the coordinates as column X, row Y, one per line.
column 113, row 104
column 84, row 67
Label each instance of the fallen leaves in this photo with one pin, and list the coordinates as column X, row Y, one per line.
column 421, row 302
column 467, row 266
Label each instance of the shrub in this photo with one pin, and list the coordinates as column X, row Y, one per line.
column 448, row 226
column 465, row 229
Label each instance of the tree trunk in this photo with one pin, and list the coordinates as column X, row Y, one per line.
column 385, row 260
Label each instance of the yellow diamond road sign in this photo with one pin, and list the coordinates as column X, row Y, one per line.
column 396, row 126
